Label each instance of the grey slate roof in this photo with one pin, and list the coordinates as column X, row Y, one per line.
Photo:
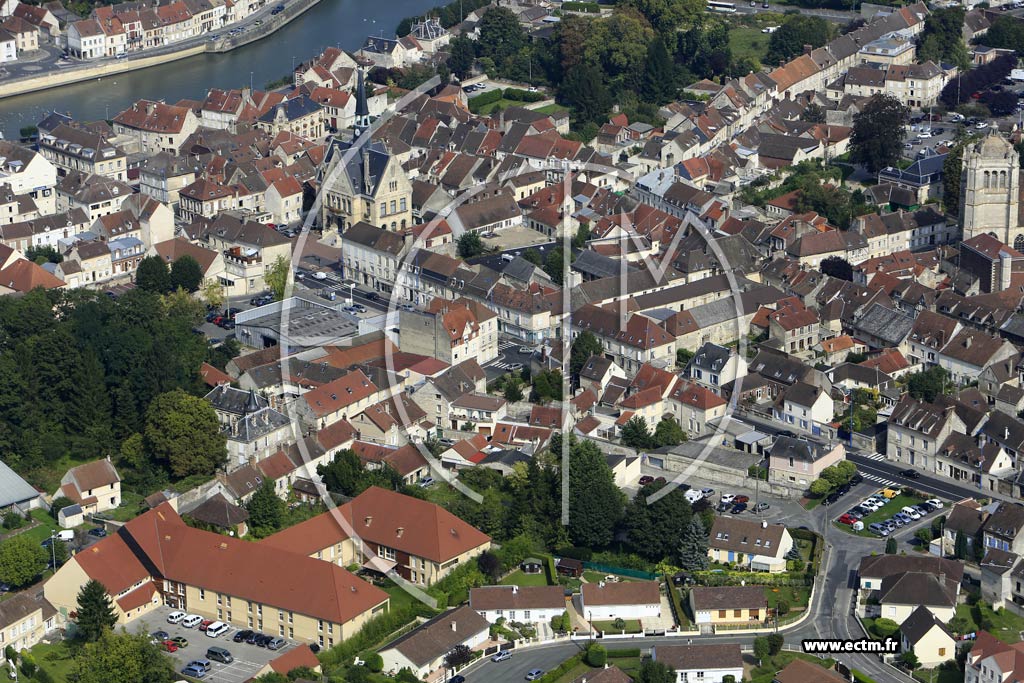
column 14, row 489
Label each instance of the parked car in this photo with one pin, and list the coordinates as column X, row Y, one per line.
column 888, row 493
column 645, row 480
column 98, row 532
column 760, row 507
column 856, row 479
column 501, row 656
column 878, row 529
column 911, row 512
column 741, row 499
column 159, row 636
column 903, row 517
column 936, row 502
column 855, row 513
column 910, row 473
column 426, row 482
column 534, row 674
column 193, row 671
column 525, row 349
column 253, row 637
column 175, row 617
column 829, row 499
column 738, row 508
column 180, row 641
column 191, row 621
column 319, row 275
column 846, row 519
column 219, row 654
column 843, row 490
column 707, row 491
column 727, row 497
column 242, row 636
column 457, row 678
column 217, row 629
column 276, row 643
column 170, row 646
column 203, row 664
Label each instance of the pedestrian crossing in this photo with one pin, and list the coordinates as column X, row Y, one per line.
column 503, row 365
column 502, row 346
column 878, row 480
column 875, row 456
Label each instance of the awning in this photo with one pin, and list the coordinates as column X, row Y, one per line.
column 379, row 564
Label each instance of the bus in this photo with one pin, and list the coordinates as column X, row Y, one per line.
column 716, row 6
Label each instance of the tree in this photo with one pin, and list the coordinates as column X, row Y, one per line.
column 152, row 275
column 659, row 78
column 693, row 546
column 885, row 627
column 636, row 433
column 927, row 385
column 547, row 386
column 775, row 643
column 501, row 35
column 266, row 510
column 668, row 15
column 461, row 55
column 21, row 560
column 942, row 41
column 489, row 565
column 58, row 504
column 585, row 345
column 584, row 90
column 652, row 671
column 683, row 357
column 374, row 662
column 890, row 546
column 186, row 273
column 470, row 245
column 512, row 392
column 183, row 434
column 595, row 502
column 813, row 113
column 276, row 277
column 43, row 254
column 343, row 474
column 654, row 527
column 668, row 432
column 213, row 294
column 796, row 31
column 910, row 660
column 837, row 267
column 13, row 520
column 781, row 608
column 1006, row 32
column 877, row 140
column 820, row 487
column 761, row 649
column 596, row 655
column 960, row 545
column 458, row 656
column 122, row 658
column 95, row 611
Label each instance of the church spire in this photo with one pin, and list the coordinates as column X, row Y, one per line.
column 362, row 121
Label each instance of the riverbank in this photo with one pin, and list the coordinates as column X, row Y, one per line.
column 88, row 72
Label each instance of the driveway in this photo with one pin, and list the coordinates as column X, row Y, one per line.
column 248, row 658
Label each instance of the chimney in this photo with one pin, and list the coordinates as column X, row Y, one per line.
column 454, row 627
column 807, row 49
column 368, row 519
column 399, row 531
column 764, row 523
column 515, row 589
column 967, row 342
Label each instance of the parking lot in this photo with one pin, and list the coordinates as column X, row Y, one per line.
column 248, row 658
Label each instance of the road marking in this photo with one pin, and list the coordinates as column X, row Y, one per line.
column 880, row 480
column 875, row 456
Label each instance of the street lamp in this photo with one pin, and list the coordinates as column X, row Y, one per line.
column 53, row 548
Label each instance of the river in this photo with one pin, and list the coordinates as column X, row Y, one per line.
column 344, row 23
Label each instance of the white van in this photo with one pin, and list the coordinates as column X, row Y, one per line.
column 175, row 617
column 693, row 495
column 217, row 629
column 66, row 535
column 191, row 621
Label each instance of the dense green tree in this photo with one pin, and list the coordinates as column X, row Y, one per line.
column 636, row 433
column 21, row 560
column 183, row 434
column 584, row 90
column 666, row 16
column 885, row 627
column 819, row 487
column 88, row 410
column 469, row 245
column 489, row 565
column 1006, row 32
column 152, row 275
column 547, row 386
column 703, row 51
column 276, row 277
column 909, row 660
column 775, row 642
column 122, row 658
column 693, row 546
column 186, row 273
column 942, row 41
column 652, row 671
column 501, row 35
column 266, row 510
column 461, row 55
column 534, row 257
column 585, row 345
column 878, row 129
column 95, row 611
column 458, row 657
column 512, row 391
column 343, row 474
column 927, row 385
column 668, row 432
column 595, row 502
column 44, row 254
column 761, row 649
column 960, row 545
column 837, row 267
column 952, row 167
column 813, row 113
column 659, row 78
column 796, row 31
column 554, row 264
column 891, row 547
column 654, row 527
column 596, row 655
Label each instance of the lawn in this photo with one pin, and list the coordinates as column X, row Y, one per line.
column 796, row 596
column 766, row 672
column 132, row 505
column 520, row 578
column 632, row 626
column 551, row 109
column 883, row 513
column 399, row 597
column 55, row 659
column 497, row 106
column 597, row 577
column 1004, row 624
column 745, row 41
column 939, row 675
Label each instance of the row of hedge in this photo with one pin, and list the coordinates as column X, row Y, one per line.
column 624, row 653
column 562, row 669
column 374, row 632
column 520, row 95
column 676, row 600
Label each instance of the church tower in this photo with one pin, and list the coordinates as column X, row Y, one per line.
column 990, row 190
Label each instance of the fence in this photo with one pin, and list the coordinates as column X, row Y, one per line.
column 622, row 571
